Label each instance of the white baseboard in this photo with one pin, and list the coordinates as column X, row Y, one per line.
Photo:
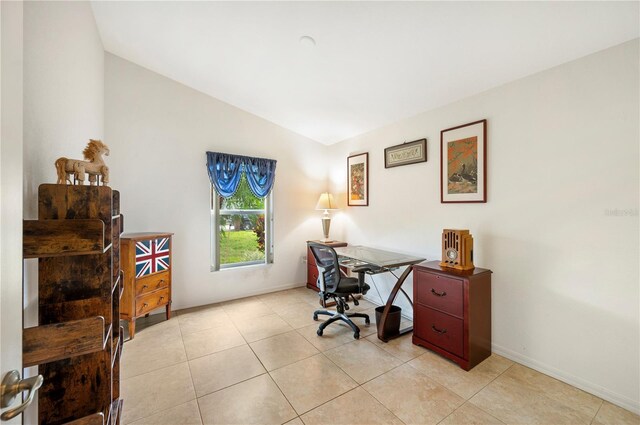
column 261, row 291
column 595, row 389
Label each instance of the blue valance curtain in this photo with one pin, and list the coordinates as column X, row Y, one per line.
column 225, row 171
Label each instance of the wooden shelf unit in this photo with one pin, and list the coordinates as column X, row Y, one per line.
column 78, row 341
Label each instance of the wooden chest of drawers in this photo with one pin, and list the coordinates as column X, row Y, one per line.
column 146, row 264
column 312, row 270
column 452, row 312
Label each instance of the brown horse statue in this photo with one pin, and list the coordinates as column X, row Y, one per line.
column 94, row 165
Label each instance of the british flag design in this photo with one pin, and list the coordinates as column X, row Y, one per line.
column 152, row 256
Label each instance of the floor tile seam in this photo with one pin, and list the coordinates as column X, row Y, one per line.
column 598, row 411
column 230, row 385
column 222, row 351
column 157, row 369
column 208, row 329
column 299, row 360
column 267, row 337
column 191, row 376
column 160, row 411
column 272, row 379
column 364, row 382
column 358, row 383
column 153, row 371
column 284, row 395
column 214, row 352
column 328, row 401
column 489, row 383
column 380, row 401
column 479, row 408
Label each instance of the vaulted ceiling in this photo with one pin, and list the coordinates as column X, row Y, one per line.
column 373, row 63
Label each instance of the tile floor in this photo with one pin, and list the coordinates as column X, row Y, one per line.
column 259, row 361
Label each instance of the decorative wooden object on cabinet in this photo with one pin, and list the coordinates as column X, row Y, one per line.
column 78, row 342
column 452, row 312
column 146, row 263
column 312, row 269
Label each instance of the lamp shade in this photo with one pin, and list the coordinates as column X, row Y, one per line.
column 326, row 202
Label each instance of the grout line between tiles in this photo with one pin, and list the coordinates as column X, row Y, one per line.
column 193, row 384
column 598, row 411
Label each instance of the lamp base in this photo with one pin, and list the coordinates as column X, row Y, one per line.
column 326, row 223
column 326, row 240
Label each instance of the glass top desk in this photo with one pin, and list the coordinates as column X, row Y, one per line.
column 381, row 262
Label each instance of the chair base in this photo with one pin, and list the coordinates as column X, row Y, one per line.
column 345, row 317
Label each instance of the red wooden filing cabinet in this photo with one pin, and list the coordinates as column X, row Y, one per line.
column 452, row 312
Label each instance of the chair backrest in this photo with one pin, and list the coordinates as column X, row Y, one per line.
column 328, row 267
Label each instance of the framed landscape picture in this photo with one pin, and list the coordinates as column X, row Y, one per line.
column 406, row 153
column 463, row 163
column 358, row 180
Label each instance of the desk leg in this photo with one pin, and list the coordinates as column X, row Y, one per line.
column 385, row 313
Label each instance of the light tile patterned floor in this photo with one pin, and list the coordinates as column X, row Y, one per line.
column 259, row 361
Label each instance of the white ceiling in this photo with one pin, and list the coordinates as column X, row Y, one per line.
column 374, row 62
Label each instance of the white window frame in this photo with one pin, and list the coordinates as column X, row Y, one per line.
column 215, row 232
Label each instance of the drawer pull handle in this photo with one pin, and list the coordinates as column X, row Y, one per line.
column 161, row 281
column 144, row 286
column 438, row 294
column 145, row 305
column 438, row 331
column 161, row 298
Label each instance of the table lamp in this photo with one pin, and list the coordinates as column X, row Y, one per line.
column 326, row 203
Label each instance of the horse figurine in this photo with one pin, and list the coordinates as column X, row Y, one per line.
column 94, row 166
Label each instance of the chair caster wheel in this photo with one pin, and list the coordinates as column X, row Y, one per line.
column 315, row 317
column 356, row 335
column 319, row 332
column 367, row 322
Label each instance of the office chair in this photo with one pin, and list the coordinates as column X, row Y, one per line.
column 333, row 284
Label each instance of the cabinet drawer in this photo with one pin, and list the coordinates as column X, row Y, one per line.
column 312, row 275
column 439, row 329
column 151, row 301
column 311, row 260
column 151, row 283
column 439, row 292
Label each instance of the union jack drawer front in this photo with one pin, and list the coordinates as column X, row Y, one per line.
column 146, row 262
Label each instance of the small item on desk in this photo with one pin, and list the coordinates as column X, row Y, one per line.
column 457, row 249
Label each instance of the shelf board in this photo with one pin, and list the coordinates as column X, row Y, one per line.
column 48, row 343
column 56, row 238
column 95, row 419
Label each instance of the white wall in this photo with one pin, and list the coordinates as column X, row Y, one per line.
column 158, row 131
column 11, row 142
column 562, row 150
column 63, row 89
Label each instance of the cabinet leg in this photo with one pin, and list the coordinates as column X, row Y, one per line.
column 168, row 311
column 132, row 328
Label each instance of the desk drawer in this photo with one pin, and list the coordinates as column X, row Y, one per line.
column 439, row 329
column 439, row 292
column 149, row 302
column 151, row 283
column 312, row 275
column 311, row 260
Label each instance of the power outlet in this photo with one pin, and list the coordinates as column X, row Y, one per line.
column 304, row 259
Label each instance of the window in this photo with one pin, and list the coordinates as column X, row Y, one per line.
column 242, row 228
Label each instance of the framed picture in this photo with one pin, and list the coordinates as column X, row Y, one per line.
column 406, row 153
column 463, row 163
column 358, row 180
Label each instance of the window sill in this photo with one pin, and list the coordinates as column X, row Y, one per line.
column 246, row 266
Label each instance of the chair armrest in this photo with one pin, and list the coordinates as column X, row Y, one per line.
column 362, row 269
